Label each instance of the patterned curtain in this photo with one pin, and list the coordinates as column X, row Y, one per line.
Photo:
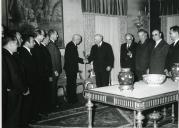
column 108, row 7
column 169, row 7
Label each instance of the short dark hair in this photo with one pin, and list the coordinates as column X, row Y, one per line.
column 175, row 28
column 7, row 38
column 37, row 32
column 51, row 31
column 26, row 37
column 160, row 32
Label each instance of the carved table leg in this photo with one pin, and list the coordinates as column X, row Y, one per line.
column 139, row 118
column 173, row 113
column 89, row 105
column 134, row 119
column 164, row 113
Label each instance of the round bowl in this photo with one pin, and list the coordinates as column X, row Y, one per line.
column 154, row 79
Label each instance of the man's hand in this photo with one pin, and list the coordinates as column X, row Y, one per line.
column 8, row 90
column 56, row 73
column 85, row 61
column 129, row 54
column 108, row 68
column 50, row 79
column 167, row 73
column 26, row 93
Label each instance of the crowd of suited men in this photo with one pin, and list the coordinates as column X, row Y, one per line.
column 31, row 65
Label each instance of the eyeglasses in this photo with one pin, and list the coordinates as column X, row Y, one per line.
column 128, row 39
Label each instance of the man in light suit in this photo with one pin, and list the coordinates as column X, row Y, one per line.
column 159, row 54
column 71, row 67
column 103, row 60
column 56, row 64
column 173, row 53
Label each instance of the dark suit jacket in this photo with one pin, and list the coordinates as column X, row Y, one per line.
column 173, row 55
column 143, row 53
column 11, row 74
column 38, row 57
column 71, row 58
column 158, row 58
column 102, row 57
column 55, row 57
column 125, row 60
column 30, row 69
column 48, row 71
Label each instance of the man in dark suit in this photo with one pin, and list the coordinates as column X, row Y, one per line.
column 12, row 84
column 71, row 67
column 159, row 54
column 47, row 74
column 29, row 102
column 38, row 56
column 173, row 53
column 143, row 53
column 103, row 60
column 56, row 64
column 128, row 51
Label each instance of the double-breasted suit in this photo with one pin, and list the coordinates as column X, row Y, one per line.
column 102, row 57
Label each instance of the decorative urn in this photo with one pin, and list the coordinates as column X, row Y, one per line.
column 155, row 116
column 175, row 72
column 126, row 79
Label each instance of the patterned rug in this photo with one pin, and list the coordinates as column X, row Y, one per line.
column 103, row 117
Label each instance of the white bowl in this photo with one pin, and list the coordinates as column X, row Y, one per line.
column 154, row 79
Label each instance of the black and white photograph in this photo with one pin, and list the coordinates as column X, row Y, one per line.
column 89, row 63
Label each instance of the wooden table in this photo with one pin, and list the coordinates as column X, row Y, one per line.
column 143, row 97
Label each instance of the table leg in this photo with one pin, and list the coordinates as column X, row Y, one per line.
column 89, row 105
column 139, row 118
column 134, row 119
column 164, row 113
column 173, row 113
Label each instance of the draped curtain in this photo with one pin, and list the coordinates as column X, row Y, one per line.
column 166, row 23
column 112, row 28
column 108, row 7
column 169, row 7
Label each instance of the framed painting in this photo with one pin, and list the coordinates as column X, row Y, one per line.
column 43, row 14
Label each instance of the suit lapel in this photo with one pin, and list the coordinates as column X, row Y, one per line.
column 161, row 43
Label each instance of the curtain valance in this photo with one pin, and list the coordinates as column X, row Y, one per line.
column 108, row 7
column 169, row 7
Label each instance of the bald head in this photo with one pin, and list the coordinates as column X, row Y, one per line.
column 77, row 39
column 98, row 38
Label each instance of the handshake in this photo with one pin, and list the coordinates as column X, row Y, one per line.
column 85, row 61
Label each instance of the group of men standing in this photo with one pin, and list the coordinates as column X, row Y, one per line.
column 31, row 64
column 153, row 56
